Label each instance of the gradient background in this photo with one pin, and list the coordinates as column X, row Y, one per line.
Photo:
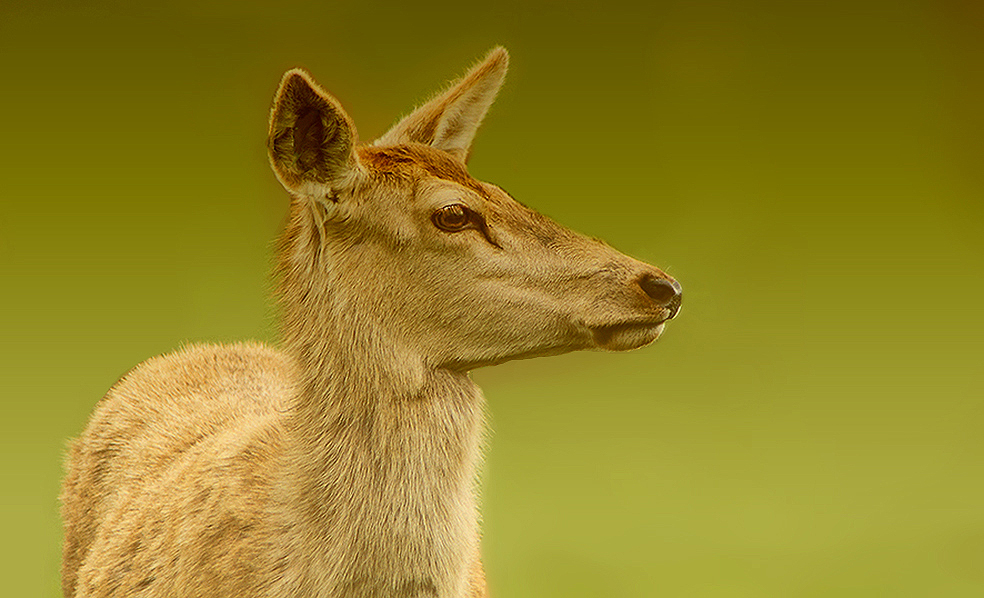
column 811, row 172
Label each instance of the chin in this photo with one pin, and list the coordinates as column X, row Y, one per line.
column 625, row 337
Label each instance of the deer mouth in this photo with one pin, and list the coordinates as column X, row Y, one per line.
column 626, row 336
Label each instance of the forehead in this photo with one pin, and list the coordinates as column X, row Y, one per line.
column 415, row 161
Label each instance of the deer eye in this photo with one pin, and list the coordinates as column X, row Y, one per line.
column 452, row 218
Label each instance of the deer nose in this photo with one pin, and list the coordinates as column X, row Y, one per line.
column 666, row 293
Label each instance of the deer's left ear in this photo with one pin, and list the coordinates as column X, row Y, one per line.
column 449, row 121
column 312, row 140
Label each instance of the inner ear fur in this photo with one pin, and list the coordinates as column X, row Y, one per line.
column 311, row 138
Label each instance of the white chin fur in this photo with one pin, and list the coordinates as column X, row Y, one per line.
column 625, row 338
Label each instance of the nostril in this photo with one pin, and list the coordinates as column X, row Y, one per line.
column 666, row 293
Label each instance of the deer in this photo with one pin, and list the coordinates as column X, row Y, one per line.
column 343, row 464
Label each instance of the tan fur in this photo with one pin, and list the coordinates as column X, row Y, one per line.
column 343, row 465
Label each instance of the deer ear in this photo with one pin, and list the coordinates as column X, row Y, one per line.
column 312, row 141
column 450, row 120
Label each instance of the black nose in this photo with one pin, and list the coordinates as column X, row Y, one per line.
column 666, row 293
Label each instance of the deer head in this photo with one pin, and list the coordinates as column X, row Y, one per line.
column 395, row 241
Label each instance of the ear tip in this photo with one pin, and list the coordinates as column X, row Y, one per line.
column 296, row 76
column 498, row 57
column 298, row 86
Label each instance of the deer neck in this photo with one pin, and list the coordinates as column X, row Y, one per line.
column 383, row 453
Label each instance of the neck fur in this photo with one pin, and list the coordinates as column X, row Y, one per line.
column 383, row 449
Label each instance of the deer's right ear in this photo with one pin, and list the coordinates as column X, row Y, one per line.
column 312, row 141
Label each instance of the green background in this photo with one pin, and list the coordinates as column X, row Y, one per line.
column 811, row 425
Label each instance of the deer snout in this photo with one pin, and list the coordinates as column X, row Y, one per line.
column 666, row 293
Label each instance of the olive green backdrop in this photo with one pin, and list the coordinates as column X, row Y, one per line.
column 811, row 425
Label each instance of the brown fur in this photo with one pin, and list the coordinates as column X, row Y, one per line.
column 343, row 464
column 413, row 160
